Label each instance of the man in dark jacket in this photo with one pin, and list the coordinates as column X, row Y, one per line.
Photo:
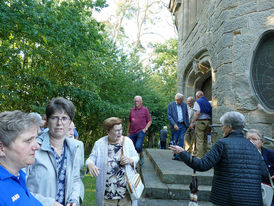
column 238, row 165
column 163, row 137
column 178, row 119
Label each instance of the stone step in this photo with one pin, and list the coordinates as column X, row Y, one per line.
column 173, row 171
column 158, row 202
column 156, row 189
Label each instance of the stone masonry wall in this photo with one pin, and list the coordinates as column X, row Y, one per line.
column 230, row 31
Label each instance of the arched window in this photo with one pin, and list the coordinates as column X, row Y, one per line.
column 262, row 71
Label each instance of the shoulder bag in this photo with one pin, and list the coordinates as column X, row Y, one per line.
column 135, row 185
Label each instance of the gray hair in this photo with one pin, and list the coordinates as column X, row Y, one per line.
column 199, row 93
column 255, row 131
column 191, row 98
column 13, row 123
column 37, row 116
column 179, row 96
column 165, row 127
column 138, row 97
column 234, row 119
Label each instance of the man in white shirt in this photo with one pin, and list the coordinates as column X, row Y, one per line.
column 190, row 143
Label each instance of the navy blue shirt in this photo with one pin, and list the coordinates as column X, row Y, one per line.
column 13, row 190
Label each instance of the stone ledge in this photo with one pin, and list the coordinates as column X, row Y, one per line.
column 156, row 189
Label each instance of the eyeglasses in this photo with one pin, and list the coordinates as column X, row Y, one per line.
column 254, row 140
column 56, row 119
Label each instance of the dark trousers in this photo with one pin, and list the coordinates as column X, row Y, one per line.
column 163, row 144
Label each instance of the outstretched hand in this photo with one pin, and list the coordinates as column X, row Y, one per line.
column 176, row 149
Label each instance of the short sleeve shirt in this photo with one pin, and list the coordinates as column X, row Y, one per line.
column 13, row 190
column 138, row 119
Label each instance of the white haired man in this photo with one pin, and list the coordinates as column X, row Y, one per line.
column 138, row 123
column 190, row 142
column 202, row 117
column 178, row 119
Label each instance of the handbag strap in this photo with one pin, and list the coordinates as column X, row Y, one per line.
column 122, row 152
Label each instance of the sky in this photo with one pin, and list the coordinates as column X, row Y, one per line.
column 163, row 30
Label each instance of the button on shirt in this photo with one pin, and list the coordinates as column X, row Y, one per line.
column 13, row 190
column 179, row 113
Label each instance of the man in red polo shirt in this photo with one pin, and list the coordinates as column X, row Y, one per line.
column 138, row 123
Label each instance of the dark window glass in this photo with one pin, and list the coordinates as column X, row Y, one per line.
column 262, row 73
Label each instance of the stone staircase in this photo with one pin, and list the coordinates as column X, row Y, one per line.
column 167, row 181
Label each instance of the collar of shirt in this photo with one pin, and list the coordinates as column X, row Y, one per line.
column 138, row 108
column 5, row 174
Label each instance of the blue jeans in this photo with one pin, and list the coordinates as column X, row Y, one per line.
column 138, row 140
column 178, row 135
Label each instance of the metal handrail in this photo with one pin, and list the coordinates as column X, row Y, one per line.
column 246, row 130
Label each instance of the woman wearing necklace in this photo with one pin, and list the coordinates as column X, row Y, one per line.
column 18, row 132
column 54, row 178
column 107, row 163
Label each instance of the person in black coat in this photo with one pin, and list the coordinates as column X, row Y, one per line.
column 238, row 165
column 163, row 137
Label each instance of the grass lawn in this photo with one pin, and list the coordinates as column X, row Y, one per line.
column 90, row 188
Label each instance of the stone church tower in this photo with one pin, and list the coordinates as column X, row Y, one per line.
column 226, row 49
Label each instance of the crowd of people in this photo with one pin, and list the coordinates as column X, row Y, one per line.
column 189, row 123
column 42, row 159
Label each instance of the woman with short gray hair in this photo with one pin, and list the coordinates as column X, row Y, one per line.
column 18, row 132
column 236, row 120
column 238, row 166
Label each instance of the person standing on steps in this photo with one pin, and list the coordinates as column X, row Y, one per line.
column 178, row 120
column 190, row 143
column 202, row 120
column 138, row 123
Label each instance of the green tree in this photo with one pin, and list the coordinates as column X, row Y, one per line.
column 163, row 69
column 55, row 48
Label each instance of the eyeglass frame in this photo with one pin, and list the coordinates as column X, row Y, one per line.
column 56, row 119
